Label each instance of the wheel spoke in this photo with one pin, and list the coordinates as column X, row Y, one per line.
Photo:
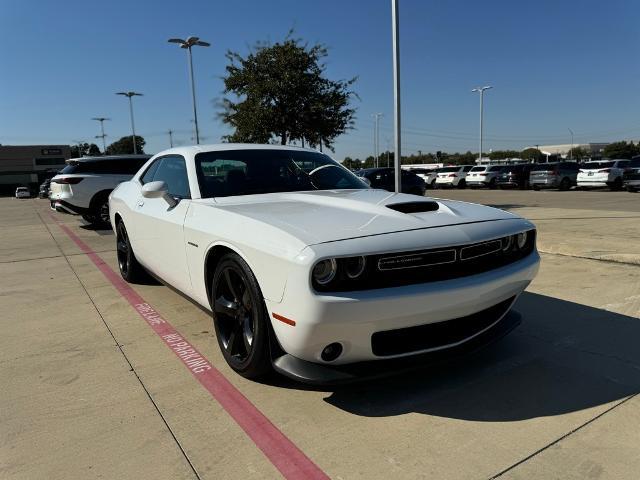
column 225, row 307
column 246, row 300
column 247, row 334
column 230, row 286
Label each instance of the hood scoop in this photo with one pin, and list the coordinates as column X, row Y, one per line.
column 414, row 207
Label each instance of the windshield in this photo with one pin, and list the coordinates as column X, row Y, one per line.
column 448, row 169
column 478, row 169
column 250, row 172
column 596, row 165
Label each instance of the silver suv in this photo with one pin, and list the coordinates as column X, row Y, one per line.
column 84, row 185
column 560, row 175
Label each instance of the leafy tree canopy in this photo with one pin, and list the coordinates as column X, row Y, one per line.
column 280, row 90
column 125, row 146
column 621, row 150
column 84, row 149
column 532, row 154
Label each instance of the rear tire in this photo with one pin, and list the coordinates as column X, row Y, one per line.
column 536, row 188
column 462, row 184
column 565, row 184
column 492, row 184
column 616, row 185
column 100, row 210
column 240, row 317
column 630, row 189
column 129, row 267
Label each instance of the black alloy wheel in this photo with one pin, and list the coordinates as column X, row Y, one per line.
column 103, row 212
column 129, row 267
column 240, row 317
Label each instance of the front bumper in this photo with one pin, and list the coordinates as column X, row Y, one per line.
column 317, row 374
column 352, row 318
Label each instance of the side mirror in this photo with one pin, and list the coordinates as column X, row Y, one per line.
column 158, row 190
column 366, row 180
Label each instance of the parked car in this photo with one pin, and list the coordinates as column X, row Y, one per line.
column 561, row 175
column 431, row 178
column 604, row 173
column 631, row 178
column 307, row 270
column 514, row 176
column 484, row 176
column 23, row 192
column 84, row 184
column 454, row 176
column 44, row 189
column 423, row 173
column 384, row 178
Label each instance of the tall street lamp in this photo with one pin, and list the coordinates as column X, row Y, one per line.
column 187, row 44
column 103, row 136
column 571, row 151
column 481, row 90
column 133, row 127
column 395, row 27
column 376, row 137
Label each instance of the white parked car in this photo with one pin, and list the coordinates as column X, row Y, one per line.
column 308, row 270
column 84, row 184
column 484, row 176
column 452, row 176
column 23, row 192
column 604, row 173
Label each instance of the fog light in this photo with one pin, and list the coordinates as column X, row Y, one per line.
column 522, row 240
column 331, row 352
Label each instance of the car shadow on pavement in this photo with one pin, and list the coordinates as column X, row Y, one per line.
column 564, row 357
column 99, row 229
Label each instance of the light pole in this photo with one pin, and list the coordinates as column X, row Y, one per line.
column 481, row 90
column 129, row 95
column 104, row 144
column 187, row 44
column 376, row 137
column 395, row 27
column 571, row 151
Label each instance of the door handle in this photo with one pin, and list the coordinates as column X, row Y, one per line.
column 141, row 203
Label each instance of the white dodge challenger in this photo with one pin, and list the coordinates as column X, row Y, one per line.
column 309, row 271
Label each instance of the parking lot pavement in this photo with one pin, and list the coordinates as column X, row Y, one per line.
column 93, row 391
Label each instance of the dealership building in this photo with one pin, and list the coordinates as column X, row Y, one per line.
column 30, row 165
column 595, row 149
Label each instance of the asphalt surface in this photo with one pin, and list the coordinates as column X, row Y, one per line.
column 92, row 390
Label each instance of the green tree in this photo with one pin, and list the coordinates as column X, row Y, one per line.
column 84, row 149
column 621, row 150
column 532, row 154
column 502, row 154
column 578, row 153
column 281, row 91
column 125, row 146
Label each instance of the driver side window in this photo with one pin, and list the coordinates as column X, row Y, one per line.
column 173, row 171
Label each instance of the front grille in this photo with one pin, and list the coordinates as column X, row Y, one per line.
column 432, row 265
column 435, row 335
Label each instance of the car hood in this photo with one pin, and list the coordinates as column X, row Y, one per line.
column 327, row 216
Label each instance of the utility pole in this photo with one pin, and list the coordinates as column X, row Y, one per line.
column 103, row 135
column 170, row 132
column 187, row 44
column 133, row 126
column 395, row 21
column 481, row 90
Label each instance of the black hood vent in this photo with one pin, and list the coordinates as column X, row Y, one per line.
column 414, row 207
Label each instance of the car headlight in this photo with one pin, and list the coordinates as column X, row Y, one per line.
column 325, row 271
column 521, row 240
column 507, row 243
column 354, row 266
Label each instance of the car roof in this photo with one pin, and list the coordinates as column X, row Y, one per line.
column 107, row 157
column 216, row 147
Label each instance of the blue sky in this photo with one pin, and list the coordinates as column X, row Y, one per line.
column 554, row 65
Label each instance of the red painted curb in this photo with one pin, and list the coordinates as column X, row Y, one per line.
column 281, row 452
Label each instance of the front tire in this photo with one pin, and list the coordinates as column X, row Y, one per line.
column 128, row 265
column 240, row 317
column 616, row 185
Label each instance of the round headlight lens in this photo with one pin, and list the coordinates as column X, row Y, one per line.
column 325, row 271
column 522, row 239
column 507, row 243
column 354, row 266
